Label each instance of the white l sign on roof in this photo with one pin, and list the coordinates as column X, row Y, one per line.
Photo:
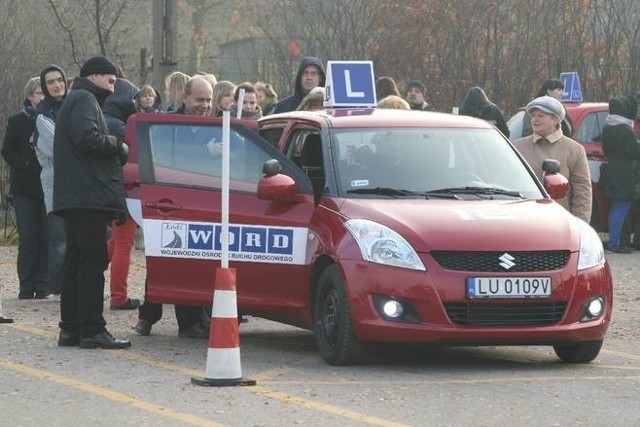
column 350, row 84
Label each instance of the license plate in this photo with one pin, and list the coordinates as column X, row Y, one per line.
column 508, row 287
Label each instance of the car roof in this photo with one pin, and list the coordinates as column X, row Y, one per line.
column 373, row 117
column 590, row 106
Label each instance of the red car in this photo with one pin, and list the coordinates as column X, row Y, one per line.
column 371, row 226
column 588, row 121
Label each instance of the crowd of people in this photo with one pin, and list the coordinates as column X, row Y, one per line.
column 66, row 150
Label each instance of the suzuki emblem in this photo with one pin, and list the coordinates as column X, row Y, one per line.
column 507, row 261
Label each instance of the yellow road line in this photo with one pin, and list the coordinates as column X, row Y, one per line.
column 306, row 403
column 108, row 394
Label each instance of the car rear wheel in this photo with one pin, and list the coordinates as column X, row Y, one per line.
column 583, row 352
column 335, row 336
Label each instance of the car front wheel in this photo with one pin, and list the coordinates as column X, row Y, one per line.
column 335, row 336
column 583, row 352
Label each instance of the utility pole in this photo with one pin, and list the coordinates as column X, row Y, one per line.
column 165, row 40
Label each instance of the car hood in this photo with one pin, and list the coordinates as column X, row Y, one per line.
column 487, row 225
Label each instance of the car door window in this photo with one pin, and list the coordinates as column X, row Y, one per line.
column 192, row 155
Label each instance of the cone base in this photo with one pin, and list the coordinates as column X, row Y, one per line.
column 5, row 320
column 227, row 382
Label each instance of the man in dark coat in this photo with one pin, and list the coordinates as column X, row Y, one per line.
column 619, row 182
column 416, row 96
column 477, row 104
column 18, row 151
column 311, row 73
column 88, row 193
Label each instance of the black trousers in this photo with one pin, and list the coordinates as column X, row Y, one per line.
column 82, row 276
column 186, row 315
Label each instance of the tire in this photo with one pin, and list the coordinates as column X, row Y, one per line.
column 583, row 352
column 333, row 327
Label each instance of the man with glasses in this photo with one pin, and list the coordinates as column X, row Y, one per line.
column 88, row 193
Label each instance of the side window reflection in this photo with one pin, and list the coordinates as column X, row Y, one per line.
column 192, row 155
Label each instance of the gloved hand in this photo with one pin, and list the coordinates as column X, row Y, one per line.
column 123, row 152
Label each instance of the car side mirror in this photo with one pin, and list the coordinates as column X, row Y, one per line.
column 554, row 182
column 274, row 185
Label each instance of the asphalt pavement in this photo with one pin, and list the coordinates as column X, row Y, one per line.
column 150, row 384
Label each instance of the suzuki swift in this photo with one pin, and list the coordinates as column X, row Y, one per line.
column 371, row 226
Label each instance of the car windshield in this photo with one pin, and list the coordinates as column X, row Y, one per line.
column 429, row 162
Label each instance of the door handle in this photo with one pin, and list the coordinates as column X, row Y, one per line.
column 163, row 206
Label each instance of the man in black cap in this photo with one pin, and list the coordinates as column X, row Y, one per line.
column 416, row 92
column 88, row 193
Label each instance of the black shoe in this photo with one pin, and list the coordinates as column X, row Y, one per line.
column 68, row 338
column 143, row 327
column 41, row 295
column 131, row 304
column 620, row 249
column 194, row 331
column 104, row 340
column 25, row 295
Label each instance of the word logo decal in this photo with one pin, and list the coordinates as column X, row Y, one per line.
column 248, row 243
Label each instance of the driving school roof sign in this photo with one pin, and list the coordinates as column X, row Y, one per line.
column 572, row 91
column 350, row 84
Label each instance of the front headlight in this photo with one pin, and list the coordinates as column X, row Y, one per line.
column 382, row 245
column 591, row 250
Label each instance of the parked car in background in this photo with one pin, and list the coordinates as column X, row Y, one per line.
column 588, row 120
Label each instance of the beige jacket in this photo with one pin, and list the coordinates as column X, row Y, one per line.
column 573, row 165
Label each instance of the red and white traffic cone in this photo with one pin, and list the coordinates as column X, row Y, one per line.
column 223, row 357
column 2, row 318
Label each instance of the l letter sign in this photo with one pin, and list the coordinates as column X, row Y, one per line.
column 350, row 84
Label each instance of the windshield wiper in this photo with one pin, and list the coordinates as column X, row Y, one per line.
column 383, row 191
column 478, row 191
column 394, row 192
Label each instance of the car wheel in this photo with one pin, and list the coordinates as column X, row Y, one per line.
column 335, row 336
column 583, row 352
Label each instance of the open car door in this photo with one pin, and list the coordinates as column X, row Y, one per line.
column 180, row 165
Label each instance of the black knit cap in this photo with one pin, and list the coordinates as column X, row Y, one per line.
column 418, row 85
column 98, row 65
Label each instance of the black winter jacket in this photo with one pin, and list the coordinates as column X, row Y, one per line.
column 291, row 102
column 88, row 174
column 620, row 146
column 119, row 106
column 477, row 104
column 19, row 152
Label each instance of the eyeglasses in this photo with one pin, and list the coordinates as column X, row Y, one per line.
column 52, row 81
column 111, row 81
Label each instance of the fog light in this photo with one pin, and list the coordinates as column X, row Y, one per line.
column 595, row 307
column 393, row 309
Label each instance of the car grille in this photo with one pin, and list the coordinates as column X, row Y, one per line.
column 505, row 314
column 490, row 261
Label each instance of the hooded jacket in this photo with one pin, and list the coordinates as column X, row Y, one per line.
column 119, row 106
column 88, row 174
column 477, row 104
column 46, row 114
column 620, row 146
column 291, row 102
